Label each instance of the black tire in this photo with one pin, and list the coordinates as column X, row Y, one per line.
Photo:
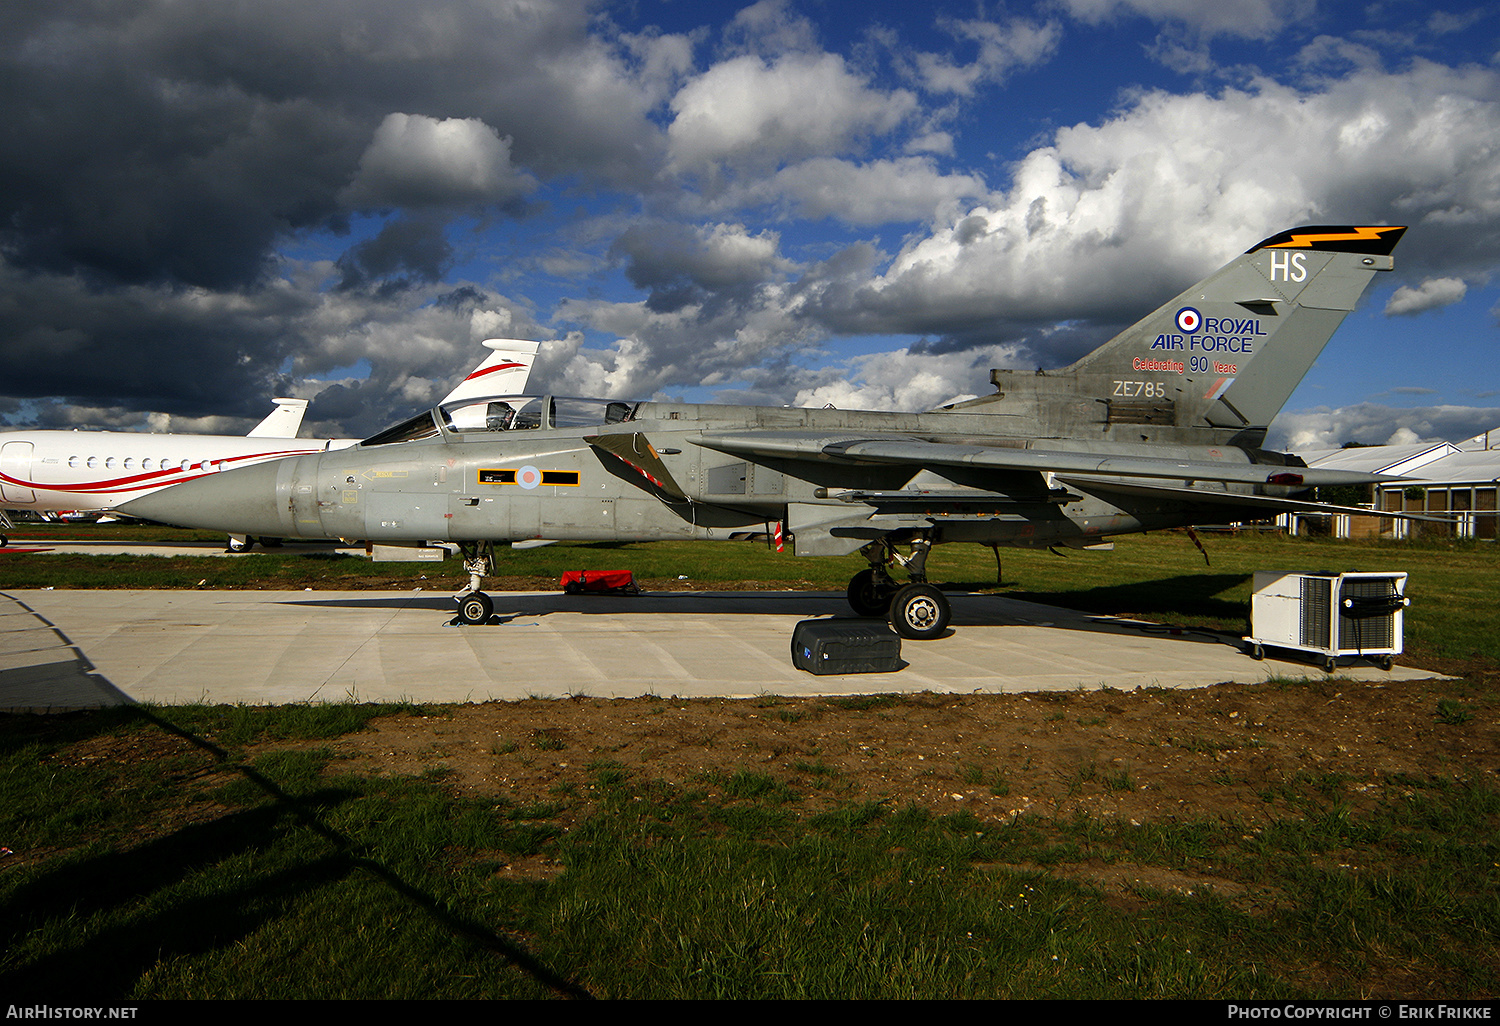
column 238, row 546
column 1386, row 662
column 920, row 612
column 1328, row 664
column 475, row 607
column 1257, row 652
column 869, row 595
column 270, row 543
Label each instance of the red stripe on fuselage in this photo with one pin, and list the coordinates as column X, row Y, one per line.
column 155, row 478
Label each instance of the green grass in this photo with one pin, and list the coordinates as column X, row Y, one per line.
column 217, row 876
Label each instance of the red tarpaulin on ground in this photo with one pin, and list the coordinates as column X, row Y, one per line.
column 599, row 582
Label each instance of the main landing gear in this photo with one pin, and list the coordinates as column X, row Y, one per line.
column 474, row 606
column 917, row 610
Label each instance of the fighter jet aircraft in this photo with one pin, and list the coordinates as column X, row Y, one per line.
column 1160, row 427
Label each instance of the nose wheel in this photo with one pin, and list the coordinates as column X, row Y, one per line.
column 474, row 606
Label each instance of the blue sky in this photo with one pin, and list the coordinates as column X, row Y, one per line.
column 207, row 205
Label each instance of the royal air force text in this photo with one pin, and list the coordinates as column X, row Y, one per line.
column 1219, row 335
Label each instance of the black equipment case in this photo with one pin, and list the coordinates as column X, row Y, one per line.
column 846, row 646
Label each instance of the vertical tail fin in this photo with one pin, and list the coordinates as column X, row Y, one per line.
column 504, row 372
column 1219, row 361
column 283, row 422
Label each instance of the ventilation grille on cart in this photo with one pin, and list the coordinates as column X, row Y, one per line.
column 1317, row 603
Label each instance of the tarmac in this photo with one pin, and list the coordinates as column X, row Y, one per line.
column 66, row 650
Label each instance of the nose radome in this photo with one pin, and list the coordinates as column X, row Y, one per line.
column 241, row 501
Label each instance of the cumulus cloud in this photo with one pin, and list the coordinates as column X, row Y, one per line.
column 1251, row 19
column 1002, row 49
column 1374, row 424
column 869, row 193
column 906, row 381
column 416, row 161
column 1432, row 294
column 1107, row 220
column 754, row 113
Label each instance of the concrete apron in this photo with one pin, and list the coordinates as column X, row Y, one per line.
column 62, row 650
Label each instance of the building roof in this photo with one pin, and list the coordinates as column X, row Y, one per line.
column 1429, row 462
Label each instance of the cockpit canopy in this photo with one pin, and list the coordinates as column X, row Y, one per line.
column 505, row 413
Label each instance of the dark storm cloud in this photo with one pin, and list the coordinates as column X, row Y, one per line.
column 414, row 248
column 176, row 142
column 157, row 154
column 709, row 266
column 193, row 351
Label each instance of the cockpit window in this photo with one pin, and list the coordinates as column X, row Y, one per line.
column 572, row 413
column 520, row 412
column 419, row 427
column 510, row 413
column 507, row 413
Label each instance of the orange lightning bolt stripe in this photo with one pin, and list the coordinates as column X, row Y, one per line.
column 1306, row 240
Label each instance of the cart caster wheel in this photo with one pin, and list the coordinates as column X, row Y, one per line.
column 1386, row 662
column 1257, row 652
column 1328, row 665
column 475, row 608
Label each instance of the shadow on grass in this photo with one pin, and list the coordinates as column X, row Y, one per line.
column 107, row 964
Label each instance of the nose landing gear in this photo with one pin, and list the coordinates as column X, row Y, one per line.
column 474, row 606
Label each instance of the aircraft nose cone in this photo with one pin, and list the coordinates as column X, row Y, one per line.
column 241, row 501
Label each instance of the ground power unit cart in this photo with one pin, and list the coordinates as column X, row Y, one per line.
column 1332, row 615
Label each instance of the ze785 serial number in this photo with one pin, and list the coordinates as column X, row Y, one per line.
column 1140, row 389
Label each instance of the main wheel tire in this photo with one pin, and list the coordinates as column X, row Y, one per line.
column 869, row 595
column 235, row 545
column 475, row 607
column 920, row 612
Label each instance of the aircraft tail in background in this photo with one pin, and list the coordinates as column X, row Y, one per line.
column 283, row 422
column 506, row 371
